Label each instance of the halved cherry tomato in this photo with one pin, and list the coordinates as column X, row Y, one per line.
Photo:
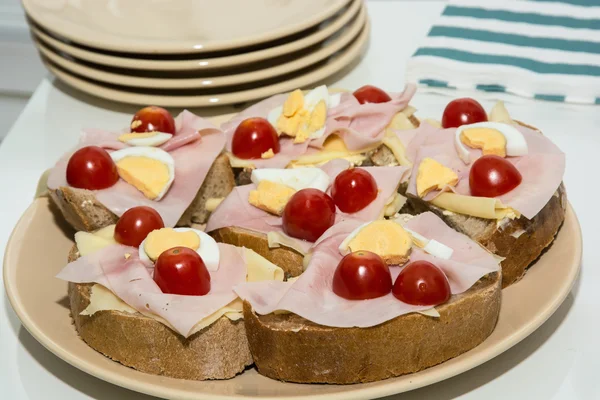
column 135, row 224
column 91, row 168
column 153, row 119
column 253, row 137
column 362, row 275
column 181, row 270
column 492, row 176
column 421, row 283
column 308, row 214
column 463, row 111
column 353, row 189
column 371, row 94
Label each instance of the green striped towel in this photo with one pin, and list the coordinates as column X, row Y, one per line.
column 546, row 50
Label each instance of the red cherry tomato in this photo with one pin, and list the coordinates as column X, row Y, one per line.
column 492, row 176
column 308, row 214
column 253, row 137
column 353, row 190
column 362, row 275
column 462, row 112
column 180, row 270
column 91, row 168
column 153, row 119
column 371, row 94
column 135, row 224
column 421, row 283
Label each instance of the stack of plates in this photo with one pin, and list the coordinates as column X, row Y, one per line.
column 196, row 53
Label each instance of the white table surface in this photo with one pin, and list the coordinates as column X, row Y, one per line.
column 561, row 360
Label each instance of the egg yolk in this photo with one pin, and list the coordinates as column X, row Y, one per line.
column 146, row 174
column 164, row 239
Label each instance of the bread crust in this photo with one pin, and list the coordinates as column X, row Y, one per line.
column 84, row 212
column 288, row 259
column 290, row 348
column 520, row 241
column 219, row 351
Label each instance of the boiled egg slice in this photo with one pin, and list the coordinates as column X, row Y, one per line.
column 152, row 139
column 431, row 246
column 296, row 178
column 309, row 116
column 492, row 137
column 149, row 169
column 163, row 239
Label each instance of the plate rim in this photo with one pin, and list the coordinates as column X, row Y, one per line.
column 346, row 37
column 129, row 383
column 203, row 64
column 181, row 47
column 344, row 58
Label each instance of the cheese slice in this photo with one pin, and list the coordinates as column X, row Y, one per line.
column 88, row 243
column 482, row 207
column 278, row 239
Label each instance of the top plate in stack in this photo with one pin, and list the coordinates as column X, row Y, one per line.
column 196, row 53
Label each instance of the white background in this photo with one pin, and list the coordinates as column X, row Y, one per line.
column 561, row 360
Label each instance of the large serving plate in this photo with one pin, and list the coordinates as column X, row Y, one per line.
column 38, row 250
column 266, row 71
column 230, row 95
column 324, row 31
column 184, row 26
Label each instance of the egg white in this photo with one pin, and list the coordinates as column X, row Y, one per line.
column 297, row 178
column 152, row 141
column 149, row 152
column 311, row 99
column 516, row 145
column 208, row 250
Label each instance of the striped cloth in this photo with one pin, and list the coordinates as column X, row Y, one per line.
column 547, row 50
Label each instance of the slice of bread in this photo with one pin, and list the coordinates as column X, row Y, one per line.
column 519, row 241
column 290, row 348
column 288, row 259
column 219, row 351
column 83, row 212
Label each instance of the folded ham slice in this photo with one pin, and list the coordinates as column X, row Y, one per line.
column 311, row 296
column 236, row 211
column 131, row 281
column 359, row 125
column 542, row 168
column 194, row 147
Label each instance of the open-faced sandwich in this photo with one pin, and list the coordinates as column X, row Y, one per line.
column 170, row 164
column 353, row 229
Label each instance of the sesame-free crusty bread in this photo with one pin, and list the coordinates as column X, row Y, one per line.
column 82, row 210
column 219, row 351
column 288, row 259
column 290, row 348
column 519, row 241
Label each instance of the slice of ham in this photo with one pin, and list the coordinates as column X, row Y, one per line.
column 236, row 211
column 359, row 125
column 194, row 147
column 542, row 168
column 131, row 281
column 311, row 296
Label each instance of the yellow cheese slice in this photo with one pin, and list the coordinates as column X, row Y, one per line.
column 482, row 207
column 397, row 148
column 88, row 243
column 102, row 299
column 278, row 239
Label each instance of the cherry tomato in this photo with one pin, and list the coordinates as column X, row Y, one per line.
column 492, row 176
column 308, row 214
column 421, row 283
column 371, row 94
column 253, row 137
column 353, row 190
column 135, row 224
column 180, row 270
column 362, row 275
column 153, row 119
column 463, row 111
column 91, row 168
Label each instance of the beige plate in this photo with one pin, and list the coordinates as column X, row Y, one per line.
column 185, row 26
column 334, row 64
column 40, row 302
column 325, row 30
column 329, row 48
